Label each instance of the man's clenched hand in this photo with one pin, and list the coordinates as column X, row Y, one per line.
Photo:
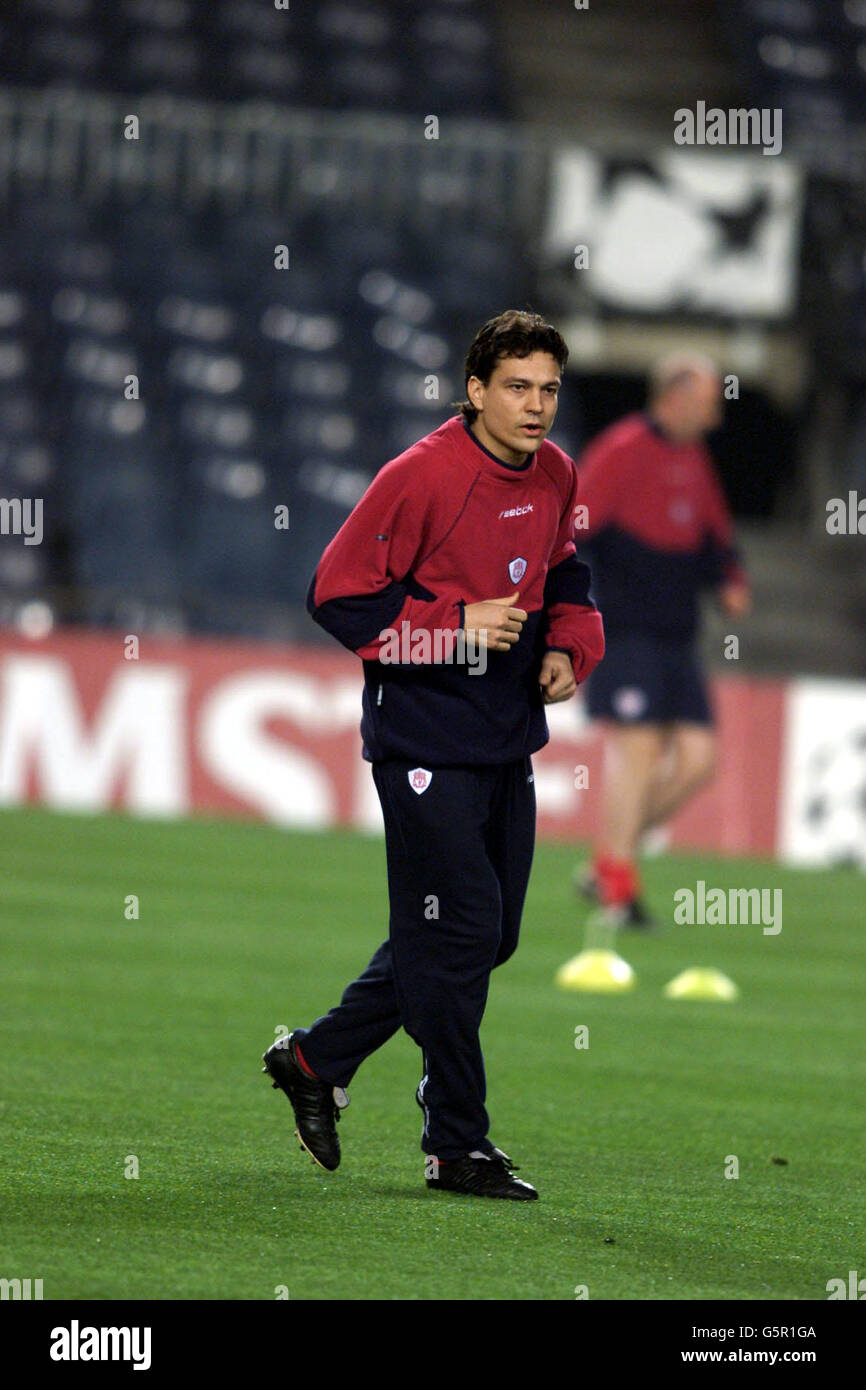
column 556, row 678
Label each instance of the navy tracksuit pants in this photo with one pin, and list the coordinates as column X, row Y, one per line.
column 459, row 855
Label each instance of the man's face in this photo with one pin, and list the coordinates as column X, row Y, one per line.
column 695, row 407
column 517, row 406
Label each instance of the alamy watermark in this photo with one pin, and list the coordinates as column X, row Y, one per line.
column 437, row 646
column 737, row 907
column 846, row 516
column 855, row 1288
column 736, row 126
column 20, row 1289
column 22, row 516
column 77, row 1343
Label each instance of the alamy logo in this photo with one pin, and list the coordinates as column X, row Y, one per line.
column 20, row 1289
column 856, row 1288
column 737, row 126
column 739, row 906
column 440, row 646
column 846, row 517
column 76, row 1343
column 22, row 517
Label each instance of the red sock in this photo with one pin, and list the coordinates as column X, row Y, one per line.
column 617, row 880
column 300, row 1056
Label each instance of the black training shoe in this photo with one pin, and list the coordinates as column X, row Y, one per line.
column 479, row 1175
column 316, row 1103
column 638, row 915
column 433, row 1165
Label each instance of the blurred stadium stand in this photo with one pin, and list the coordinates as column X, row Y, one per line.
column 164, row 387
column 809, row 57
column 335, row 53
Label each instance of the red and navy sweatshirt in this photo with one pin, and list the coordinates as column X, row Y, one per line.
column 656, row 531
column 443, row 525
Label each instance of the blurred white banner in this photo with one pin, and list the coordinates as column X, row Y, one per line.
column 679, row 232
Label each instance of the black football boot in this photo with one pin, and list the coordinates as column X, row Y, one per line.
column 316, row 1104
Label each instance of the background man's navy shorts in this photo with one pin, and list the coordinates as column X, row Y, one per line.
column 648, row 680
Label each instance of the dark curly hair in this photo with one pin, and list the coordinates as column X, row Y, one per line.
column 514, row 333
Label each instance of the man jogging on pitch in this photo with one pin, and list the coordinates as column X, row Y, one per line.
column 455, row 580
column 659, row 532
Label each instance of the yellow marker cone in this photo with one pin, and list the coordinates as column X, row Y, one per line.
column 700, row 982
column 597, row 971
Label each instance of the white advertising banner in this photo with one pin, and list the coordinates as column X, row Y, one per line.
column 823, row 803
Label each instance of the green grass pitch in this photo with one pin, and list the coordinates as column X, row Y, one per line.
column 143, row 1037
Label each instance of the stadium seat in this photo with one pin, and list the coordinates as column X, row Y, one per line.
column 15, row 313
column 60, row 54
column 259, row 70
column 195, row 368
column 310, row 427
column 360, row 23
column 125, row 540
column 352, row 246
column 207, row 422
column 236, row 20
column 19, row 409
column 171, row 63
column 423, row 349
column 26, row 467
column 305, row 377
column 232, row 547
column 308, row 332
column 95, row 312
column 362, row 79
column 24, row 569
column 380, row 289
column 205, row 320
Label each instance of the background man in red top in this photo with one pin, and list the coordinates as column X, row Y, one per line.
column 485, row 505
column 658, row 532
